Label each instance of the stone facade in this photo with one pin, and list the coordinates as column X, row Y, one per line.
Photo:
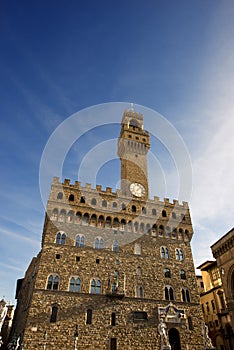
column 214, row 304
column 223, row 252
column 113, row 267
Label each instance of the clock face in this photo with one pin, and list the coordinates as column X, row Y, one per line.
column 137, row 190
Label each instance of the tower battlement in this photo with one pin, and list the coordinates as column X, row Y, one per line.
column 66, row 185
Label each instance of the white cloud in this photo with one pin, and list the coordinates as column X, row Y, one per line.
column 20, row 237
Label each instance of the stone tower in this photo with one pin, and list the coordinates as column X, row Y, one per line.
column 133, row 146
column 115, row 270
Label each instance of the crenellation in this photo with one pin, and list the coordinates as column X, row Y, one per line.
column 55, row 180
column 109, row 260
column 99, row 188
column 66, row 182
column 109, row 190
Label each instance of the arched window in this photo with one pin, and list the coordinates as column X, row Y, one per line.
column 54, row 215
column 61, row 238
column 101, row 243
column 101, row 221
column 144, row 211
column 58, row 238
column 167, row 273
column 93, row 220
column 93, row 201
column 78, row 218
column 169, row 293
column 164, row 252
column 154, row 229
column 104, row 203
column 154, row 212
column 174, row 232
column 114, row 205
column 161, row 230
column 179, row 254
column 182, row 275
column 85, row 219
column 142, row 227
column 53, row 282
column 133, row 208
column 53, row 316
column 114, row 287
column 180, row 234
column 71, row 197
column 168, row 230
column 122, row 224
column 123, row 206
column 60, row 195
column 115, row 246
column 50, row 282
column 115, row 223
column 74, row 285
column 98, row 243
column 80, row 241
column 185, row 295
column 82, row 199
column 137, row 249
column 147, row 228
column 62, row 216
column 89, row 316
column 130, row 226
column 108, row 222
column 164, row 214
column 70, row 216
column 139, row 291
column 95, row 286
column 173, row 214
column 186, row 235
column 136, row 226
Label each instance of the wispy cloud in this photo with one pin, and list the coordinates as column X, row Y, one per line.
column 19, row 237
column 11, row 267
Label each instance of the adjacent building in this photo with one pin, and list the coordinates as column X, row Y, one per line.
column 223, row 252
column 6, row 317
column 216, row 289
column 115, row 269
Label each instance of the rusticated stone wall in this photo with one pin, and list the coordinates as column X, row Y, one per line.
column 138, row 262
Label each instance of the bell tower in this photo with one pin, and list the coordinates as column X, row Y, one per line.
column 133, row 146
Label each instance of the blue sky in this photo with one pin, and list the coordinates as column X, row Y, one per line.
column 59, row 57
